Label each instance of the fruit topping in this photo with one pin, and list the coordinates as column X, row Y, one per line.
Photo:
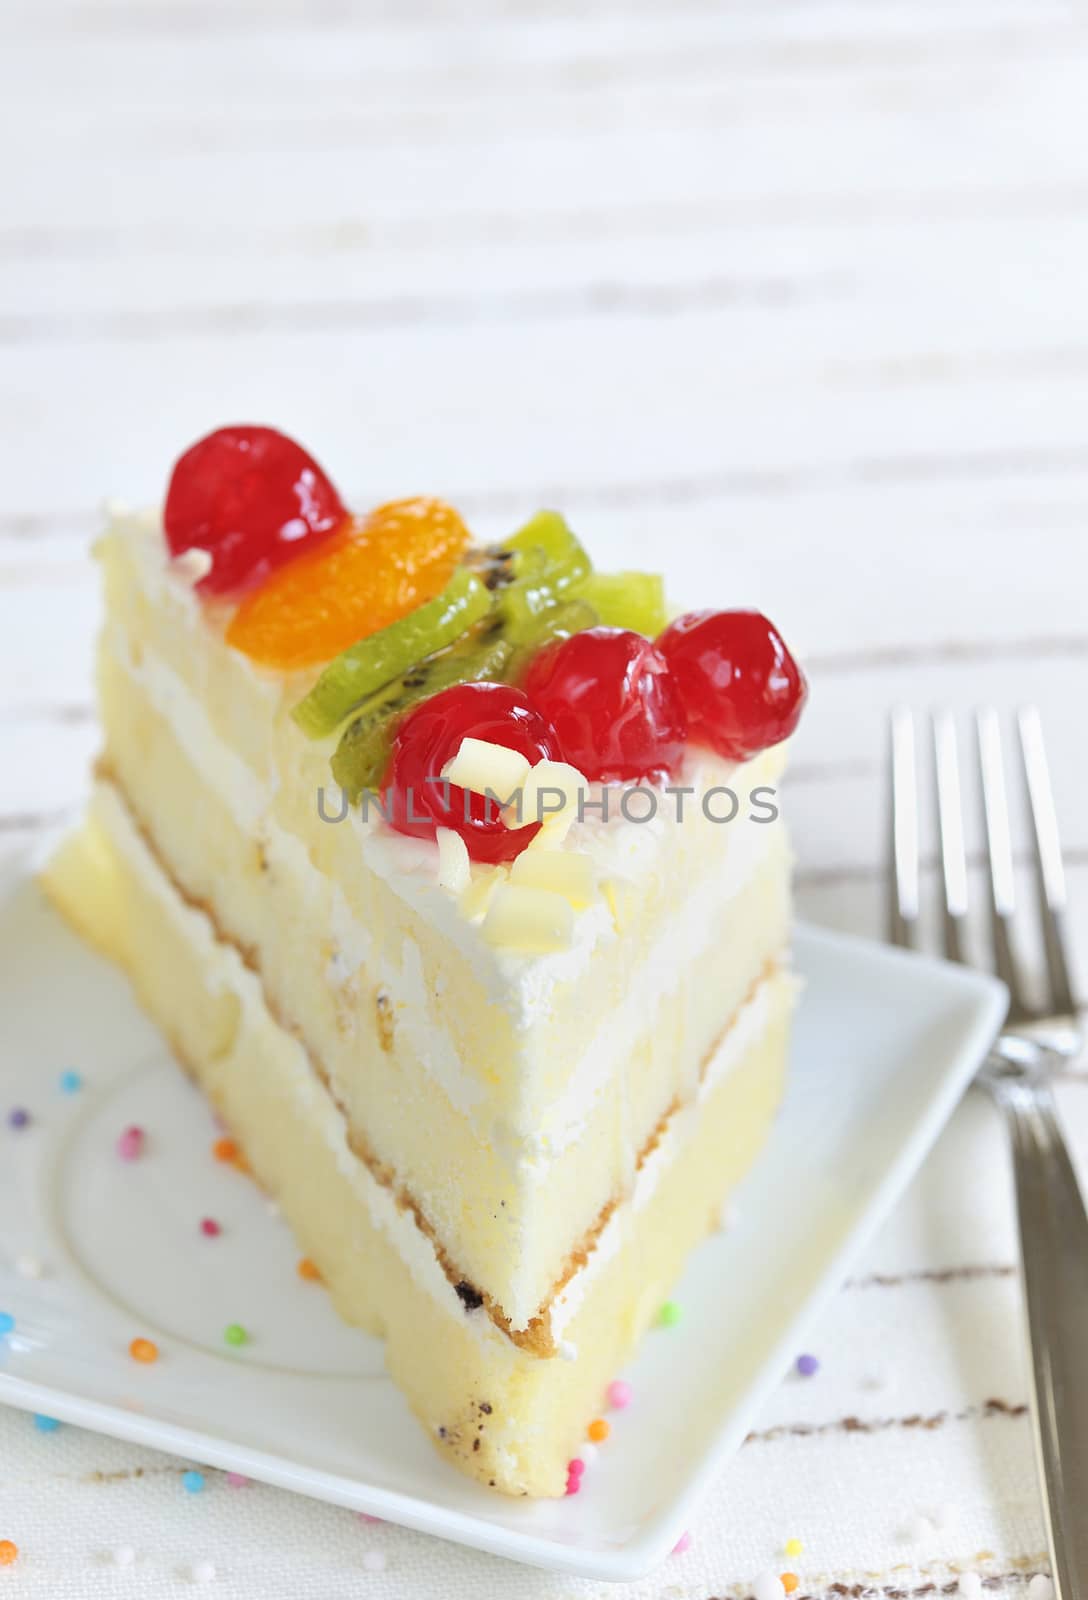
column 532, row 571
column 362, row 754
column 740, row 686
column 253, row 499
column 420, row 800
column 609, row 696
column 557, row 622
column 634, row 600
column 371, row 663
column 375, row 571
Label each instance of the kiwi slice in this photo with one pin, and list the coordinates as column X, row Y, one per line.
column 566, row 562
column 524, row 585
column 379, row 658
column 571, row 616
column 530, row 572
column 634, row 600
column 360, row 758
column 494, row 651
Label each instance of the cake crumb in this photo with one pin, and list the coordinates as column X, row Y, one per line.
column 384, row 1008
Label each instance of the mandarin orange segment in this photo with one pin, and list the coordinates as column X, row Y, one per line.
column 371, row 573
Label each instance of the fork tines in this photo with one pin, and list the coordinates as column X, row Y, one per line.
column 952, row 855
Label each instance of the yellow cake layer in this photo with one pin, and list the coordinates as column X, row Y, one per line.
column 508, row 1098
column 506, row 1416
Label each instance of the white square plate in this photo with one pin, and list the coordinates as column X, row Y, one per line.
column 885, row 1045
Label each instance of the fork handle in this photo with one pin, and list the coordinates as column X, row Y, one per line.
column 1054, row 1261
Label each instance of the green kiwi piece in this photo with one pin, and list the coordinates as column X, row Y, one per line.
column 497, row 565
column 570, row 617
column 532, row 571
column 566, row 560
column 524, row 581
column 634, row 600
column 360, row 758
column 383, row 656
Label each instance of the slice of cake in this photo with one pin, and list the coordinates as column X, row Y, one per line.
column 465, row 903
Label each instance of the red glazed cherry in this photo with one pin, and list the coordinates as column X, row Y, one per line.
column 419, row 799
column 253, row 499
column 609, row 696
column 741, row 688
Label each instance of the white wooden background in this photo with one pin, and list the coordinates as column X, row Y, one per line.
column 786, row 299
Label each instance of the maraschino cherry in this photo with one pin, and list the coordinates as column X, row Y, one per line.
column 609, row 696
column 741, row 688
column 419, row 800
column 252, row 498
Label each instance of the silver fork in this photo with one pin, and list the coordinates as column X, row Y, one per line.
column 1053, row 1223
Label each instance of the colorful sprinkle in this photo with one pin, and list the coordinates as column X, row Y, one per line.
column 807, row 1366
column 192, row 1482
column 576, row 1467
column 669, row 1315
column 19, row 1118
column 235, row 1334
column 70, row 1083
column 202, row 1572
column 46, row 1424
column 225, row 1150
column 306, row 1269
column 790, row 1581
column 8, row 1552
column 210, row 1228
column 682, row 1544
column 373, row 1561
column 29, row 1267
column 598, row 1430
column 144, row 1350
column 793, row 1547
column 589, row 1453
column 123, row 1556
column 130, row 1145
column 619, row 1394
column 237, row 1480
column 574, row 1485
column 7, row 1323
